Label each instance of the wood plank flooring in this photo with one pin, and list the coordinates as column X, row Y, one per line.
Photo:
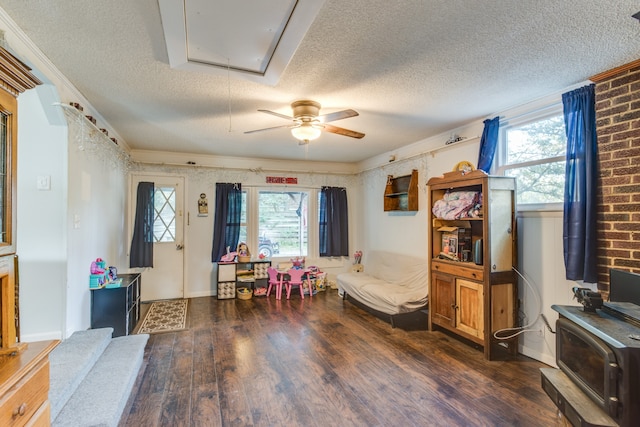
column 322, row 361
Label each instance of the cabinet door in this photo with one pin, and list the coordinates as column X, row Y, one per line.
column 442, row 299
column 470, row 307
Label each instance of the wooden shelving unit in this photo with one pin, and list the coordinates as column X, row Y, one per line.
column 472, row 287
column 401, row 193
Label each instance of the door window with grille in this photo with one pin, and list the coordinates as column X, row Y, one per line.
column 164, row 223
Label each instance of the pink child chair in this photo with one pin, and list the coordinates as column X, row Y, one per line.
column 295, row 279
column 274, row 280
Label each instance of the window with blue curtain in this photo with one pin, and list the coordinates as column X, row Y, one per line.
column 228, row 213
column 333, row 222
column 141, row 254
column 580, row 204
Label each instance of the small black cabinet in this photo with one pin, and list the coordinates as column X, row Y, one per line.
column 118, row 308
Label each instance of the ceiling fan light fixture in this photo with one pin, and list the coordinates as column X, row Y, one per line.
column 306, row 132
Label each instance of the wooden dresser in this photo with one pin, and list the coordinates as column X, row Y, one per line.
column 24, row 386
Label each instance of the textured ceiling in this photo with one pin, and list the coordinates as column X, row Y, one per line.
column 412, row 69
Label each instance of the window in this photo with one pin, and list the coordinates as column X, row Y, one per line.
column 533, row 151
column 164, row 222
column 279, row 225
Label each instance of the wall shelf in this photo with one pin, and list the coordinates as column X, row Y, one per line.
column 401, row 193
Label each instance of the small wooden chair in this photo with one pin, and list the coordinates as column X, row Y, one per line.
column 274, row 280
column 295, row 279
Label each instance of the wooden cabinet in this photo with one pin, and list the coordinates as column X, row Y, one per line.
column 24, row 386
column 401, row 193
column 472, row 286
column 234, row 275
column 118, row 308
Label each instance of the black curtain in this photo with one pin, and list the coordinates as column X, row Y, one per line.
column 226, row 225
column 141, row 254
column 334, row 222
column 580, row 241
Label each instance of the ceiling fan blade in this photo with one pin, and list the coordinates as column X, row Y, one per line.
column 275, row 127
column 338, row 115
column 273, row 113
column 343, row 131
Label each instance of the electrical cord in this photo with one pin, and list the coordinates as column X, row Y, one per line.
column 526, row 328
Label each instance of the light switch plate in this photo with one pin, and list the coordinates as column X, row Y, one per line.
column 44, row 182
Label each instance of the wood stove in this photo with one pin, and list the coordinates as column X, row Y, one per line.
column 598, row 355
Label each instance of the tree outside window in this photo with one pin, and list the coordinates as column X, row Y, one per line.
column 534, row 154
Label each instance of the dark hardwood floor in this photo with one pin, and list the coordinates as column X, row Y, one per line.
column 324, row 362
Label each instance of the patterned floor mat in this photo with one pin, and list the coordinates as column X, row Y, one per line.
column 165, row 316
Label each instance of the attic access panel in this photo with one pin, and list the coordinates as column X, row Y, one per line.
column 250, row 39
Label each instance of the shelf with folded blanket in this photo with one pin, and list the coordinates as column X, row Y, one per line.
column 472, row 286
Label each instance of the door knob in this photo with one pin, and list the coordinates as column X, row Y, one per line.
column 179, row 247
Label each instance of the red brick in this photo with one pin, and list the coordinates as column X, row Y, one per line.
column 616, row 235
column 625, row 80
column 613, row 112
column 626, row 189
column 618, row 253
column 627, row 226
column 619, row 244
column 604, row 104
column 617, row 198
column 635, row 133
column 616, row 217
column 617, row 163
column 626, row 263
column 613, row 146
column 631, row 115
column 613, row 92
column 610, row 130
column 616, row 180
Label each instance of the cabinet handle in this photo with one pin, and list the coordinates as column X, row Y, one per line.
column 20, row 410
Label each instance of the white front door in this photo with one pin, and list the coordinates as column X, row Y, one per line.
column 166, row 279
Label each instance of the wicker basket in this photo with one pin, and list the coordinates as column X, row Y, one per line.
column 244, row 293
column 244, row 255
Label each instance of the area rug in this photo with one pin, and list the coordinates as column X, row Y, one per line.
column 165, row 316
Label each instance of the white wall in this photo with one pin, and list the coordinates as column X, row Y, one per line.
column 63, row 229
column 41, row 243
column 95, row 221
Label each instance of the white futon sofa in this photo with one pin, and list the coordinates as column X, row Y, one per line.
column 392, row 286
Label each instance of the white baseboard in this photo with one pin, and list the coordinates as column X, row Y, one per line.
column 540, row 357
column 44, row 336
column 201, row 294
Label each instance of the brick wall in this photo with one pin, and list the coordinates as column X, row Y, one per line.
column 618, row 127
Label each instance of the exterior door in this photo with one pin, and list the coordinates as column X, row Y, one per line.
column 166, row 279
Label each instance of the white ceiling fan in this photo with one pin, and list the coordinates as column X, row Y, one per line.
column 308, row 124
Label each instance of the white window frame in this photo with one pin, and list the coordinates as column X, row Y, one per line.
column 500, row 166
column 252, row 224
